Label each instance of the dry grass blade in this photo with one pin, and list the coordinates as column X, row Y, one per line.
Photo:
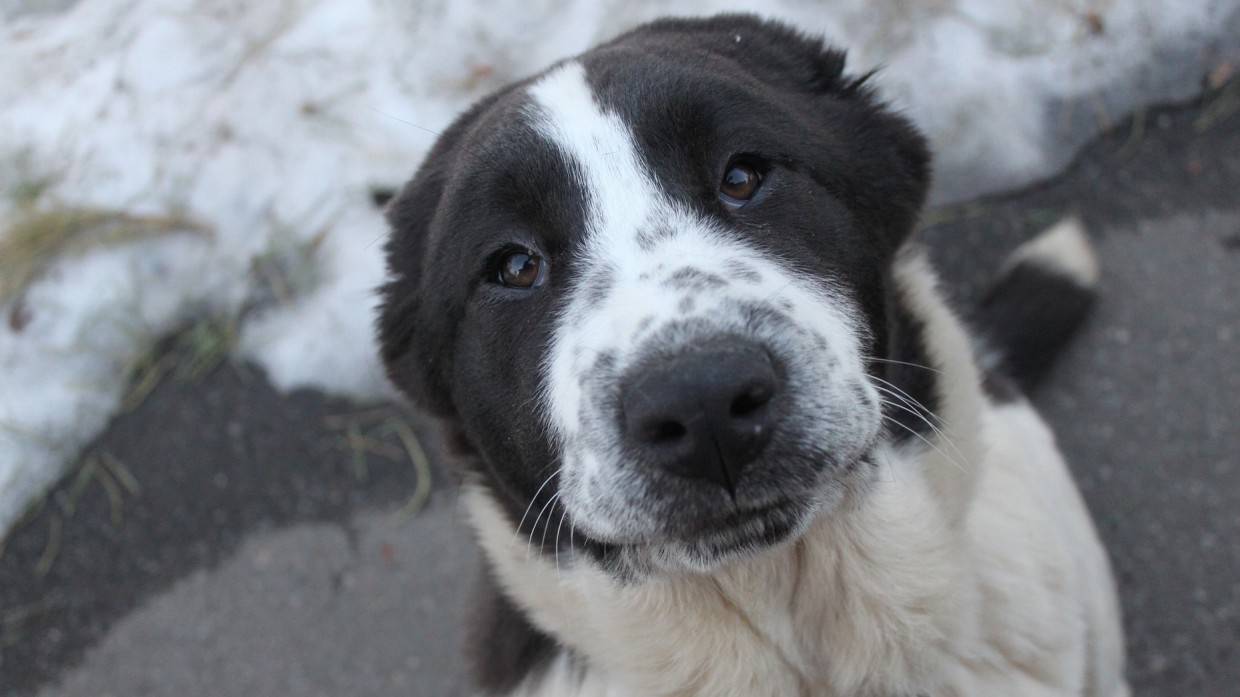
column 204, row 346
column 55, row 528
column 1224, row 104
column 36, row 238
column 116, row 500
column 13, row 619
column 360, row 468
column 85, row 475
column 189, row 355
column 144, row 376
column 28, row 516
column 421, row 466
column 118, row 469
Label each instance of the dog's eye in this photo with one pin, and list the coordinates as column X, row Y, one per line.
column 522, row 270
column 740, row 183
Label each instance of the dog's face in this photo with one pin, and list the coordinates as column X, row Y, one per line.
column 646, row 284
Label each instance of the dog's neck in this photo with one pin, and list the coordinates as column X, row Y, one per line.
column 867, row 590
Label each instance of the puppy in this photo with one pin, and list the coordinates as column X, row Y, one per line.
column 724, row 435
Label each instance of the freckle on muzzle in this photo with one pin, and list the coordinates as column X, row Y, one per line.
column 705, row 413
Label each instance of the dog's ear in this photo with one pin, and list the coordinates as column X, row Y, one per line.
column 880, row 158
column 416, row 334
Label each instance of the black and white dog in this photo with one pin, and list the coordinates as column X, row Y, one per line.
column 723, row 435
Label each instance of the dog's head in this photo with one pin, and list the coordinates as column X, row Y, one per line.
column 645, row 286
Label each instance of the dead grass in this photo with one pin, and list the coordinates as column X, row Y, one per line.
column 14, row 619
column 38, row 237
column 99, row 468
column 369, row 432
column 1222, row 105
column 190, row 354
column 286, row 270
column 421, row 466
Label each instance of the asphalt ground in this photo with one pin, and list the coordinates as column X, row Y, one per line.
column 223, row 539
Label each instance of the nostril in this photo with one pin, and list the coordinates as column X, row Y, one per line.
column 664, row 432
column 706, row 413
column 751, row 400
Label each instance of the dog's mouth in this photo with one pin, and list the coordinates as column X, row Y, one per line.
column 743, row 531
column 707, row 540
column 688, row 532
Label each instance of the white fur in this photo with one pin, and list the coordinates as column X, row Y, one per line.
column 999, row 587
column 1064, row 247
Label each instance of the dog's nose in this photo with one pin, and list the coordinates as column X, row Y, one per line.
column 704, row 413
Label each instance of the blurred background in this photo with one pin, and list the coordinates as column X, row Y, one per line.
column 206, row 485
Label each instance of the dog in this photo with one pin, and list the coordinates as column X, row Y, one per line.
column 720, row 432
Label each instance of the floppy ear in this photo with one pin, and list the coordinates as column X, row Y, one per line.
column 416, row 337
column 881, row 161
column 408, row 340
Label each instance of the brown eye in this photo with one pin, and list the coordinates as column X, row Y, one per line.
column 739, row 183
column 522, row 270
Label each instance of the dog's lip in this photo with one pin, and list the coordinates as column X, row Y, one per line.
column 740, row 518
column 742, row 524
column 728, row 524
column 736, row 525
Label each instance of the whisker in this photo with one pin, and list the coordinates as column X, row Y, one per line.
column 559, row 576
column 535, row 496
column 937, row 431
column 928, row 442
column 911, row 365
column 542, row 544
column 908, row 398
column 407, row 123
column 920, row 411
column 529, row 545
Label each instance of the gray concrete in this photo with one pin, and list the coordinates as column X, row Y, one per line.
column 314, row 610
column 1147, row 406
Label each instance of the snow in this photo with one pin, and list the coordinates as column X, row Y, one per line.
column 270, row 121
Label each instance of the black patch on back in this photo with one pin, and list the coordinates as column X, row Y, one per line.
column 1029, row 315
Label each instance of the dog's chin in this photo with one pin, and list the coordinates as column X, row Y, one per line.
column 702, row 531
column 710, row 547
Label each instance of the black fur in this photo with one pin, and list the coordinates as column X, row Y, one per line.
column 504, row 648
column 906, row 372
column 1029, row 315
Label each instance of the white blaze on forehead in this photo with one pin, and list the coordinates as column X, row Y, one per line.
column 620, row 198
column 601, row 147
